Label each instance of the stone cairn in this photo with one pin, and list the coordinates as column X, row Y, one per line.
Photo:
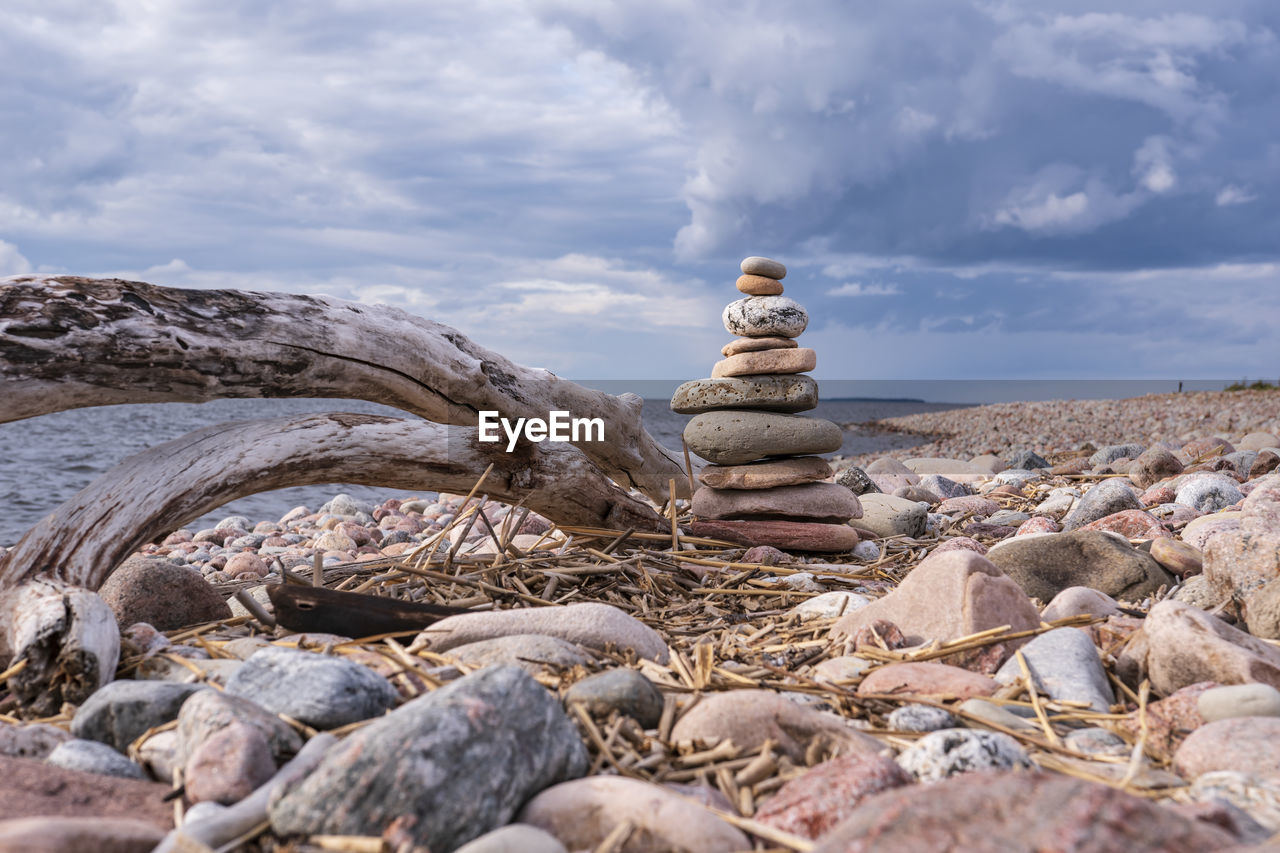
column 764, row 486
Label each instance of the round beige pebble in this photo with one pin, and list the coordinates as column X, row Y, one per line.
column 1239, row 700
column 759, row 285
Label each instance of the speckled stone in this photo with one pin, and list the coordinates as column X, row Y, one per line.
column 1103, row 499
column 777, row 393
column 1208, row 492
column 949, row 752
column 1244, row 744
column 765, row 316
column 921, row 718
column 767, row 267
column 812, row 804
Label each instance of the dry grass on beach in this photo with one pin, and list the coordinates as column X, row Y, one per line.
column 730, row 625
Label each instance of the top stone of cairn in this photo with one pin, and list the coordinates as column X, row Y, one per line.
column 767, row 267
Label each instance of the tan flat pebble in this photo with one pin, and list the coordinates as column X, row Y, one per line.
column 739, row 345
column 766, row 362
column 759, row 285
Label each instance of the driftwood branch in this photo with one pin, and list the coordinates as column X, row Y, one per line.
column 162, row 488
column 69, row 342
column 51, row 618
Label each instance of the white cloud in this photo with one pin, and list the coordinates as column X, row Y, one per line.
column 854, row 288
column 1153, row 164
column 11, row 260
column 1232, row 194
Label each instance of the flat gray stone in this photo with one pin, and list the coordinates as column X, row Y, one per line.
column 1105, row 498
column 531, row 652
column 1028, row 459
column 990, row 712
column 888, row 515
column 1112, row 452
column 90, row 756
column 118, row 712
column 623, row 690
column 33, row 740
column 767, row 267
column 323, row 691
column 1046, row 565
column 776, row 393
column 944, row 487
column 592, row 625
column 460, row 760
column 1064, row 665
column 1096, row 741
column 765, row 316
column 732, row 437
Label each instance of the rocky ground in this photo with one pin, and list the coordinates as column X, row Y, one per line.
column 1072, row 643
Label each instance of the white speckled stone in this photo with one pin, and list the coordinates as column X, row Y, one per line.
column 949, row 752
column 765, row 316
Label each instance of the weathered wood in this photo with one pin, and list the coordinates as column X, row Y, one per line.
column 68, row 342
column 160, row 489
column 350, row 614
column 67, row 636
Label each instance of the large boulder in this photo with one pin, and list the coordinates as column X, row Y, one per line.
column 950, row 595
column 460, row 761
column 161, row 593
column 1179, row 645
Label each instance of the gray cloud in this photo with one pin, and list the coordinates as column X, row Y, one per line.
column 573, row 181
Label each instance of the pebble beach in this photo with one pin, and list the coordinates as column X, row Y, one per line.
column 1050, row 626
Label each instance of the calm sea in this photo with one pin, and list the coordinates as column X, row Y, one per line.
column 46, row 460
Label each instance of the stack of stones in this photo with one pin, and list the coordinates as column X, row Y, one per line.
column 765, row 486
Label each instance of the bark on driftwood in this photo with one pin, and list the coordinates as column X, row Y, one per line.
column 69, row 342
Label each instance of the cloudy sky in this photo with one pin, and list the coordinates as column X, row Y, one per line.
column 981, row 190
